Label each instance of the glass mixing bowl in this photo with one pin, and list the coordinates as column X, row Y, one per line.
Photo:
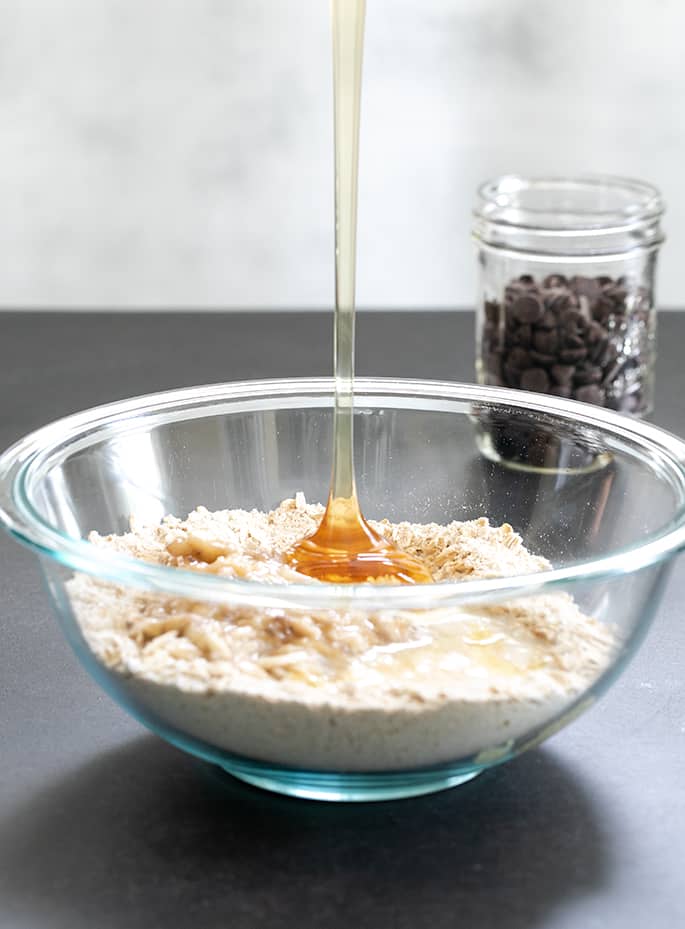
column 602, row 497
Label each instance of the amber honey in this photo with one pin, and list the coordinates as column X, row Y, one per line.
column 345, row 549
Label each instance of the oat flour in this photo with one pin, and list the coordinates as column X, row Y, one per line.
column 330, row 689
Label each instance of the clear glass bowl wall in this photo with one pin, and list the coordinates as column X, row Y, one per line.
column 609, row 530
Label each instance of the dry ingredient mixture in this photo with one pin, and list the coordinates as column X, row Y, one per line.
column 329, row 689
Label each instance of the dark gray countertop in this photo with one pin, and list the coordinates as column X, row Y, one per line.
column 103, row 825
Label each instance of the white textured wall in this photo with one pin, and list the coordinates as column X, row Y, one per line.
column 160, row 152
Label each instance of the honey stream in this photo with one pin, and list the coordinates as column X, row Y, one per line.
column 345, row 549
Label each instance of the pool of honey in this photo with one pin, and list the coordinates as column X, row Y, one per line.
column 346, row 550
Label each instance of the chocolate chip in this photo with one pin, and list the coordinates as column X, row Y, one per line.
column 555, row 280
column 563, row 374
column 540, row 358
column 549, row 320
column 616, row 294
column 513, row 290
column 510, row 325
column 588, row 375
column 512, row 375
column 568, row 337
column 594, row 333
column 590, row 394
column 519, row 358
column 594, row 349
column 572, row 355
column 535, row 379
column 528, row 309
column 558, row 300
column 603, row 308
column 546, row 341
column 570, row 319
column 523, row 335
column 574, row 341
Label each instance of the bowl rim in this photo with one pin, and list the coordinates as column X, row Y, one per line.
column 20, row 518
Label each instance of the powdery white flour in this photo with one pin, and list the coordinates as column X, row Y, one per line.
column 334, row 690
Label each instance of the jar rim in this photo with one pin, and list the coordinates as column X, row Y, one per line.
column 583, row 205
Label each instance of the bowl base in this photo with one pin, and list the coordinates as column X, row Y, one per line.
column 554, row 457
column 350, row 787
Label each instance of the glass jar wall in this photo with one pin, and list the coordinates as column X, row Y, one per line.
column 566, row 300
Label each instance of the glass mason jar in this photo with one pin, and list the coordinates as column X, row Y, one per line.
column 566, row 287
